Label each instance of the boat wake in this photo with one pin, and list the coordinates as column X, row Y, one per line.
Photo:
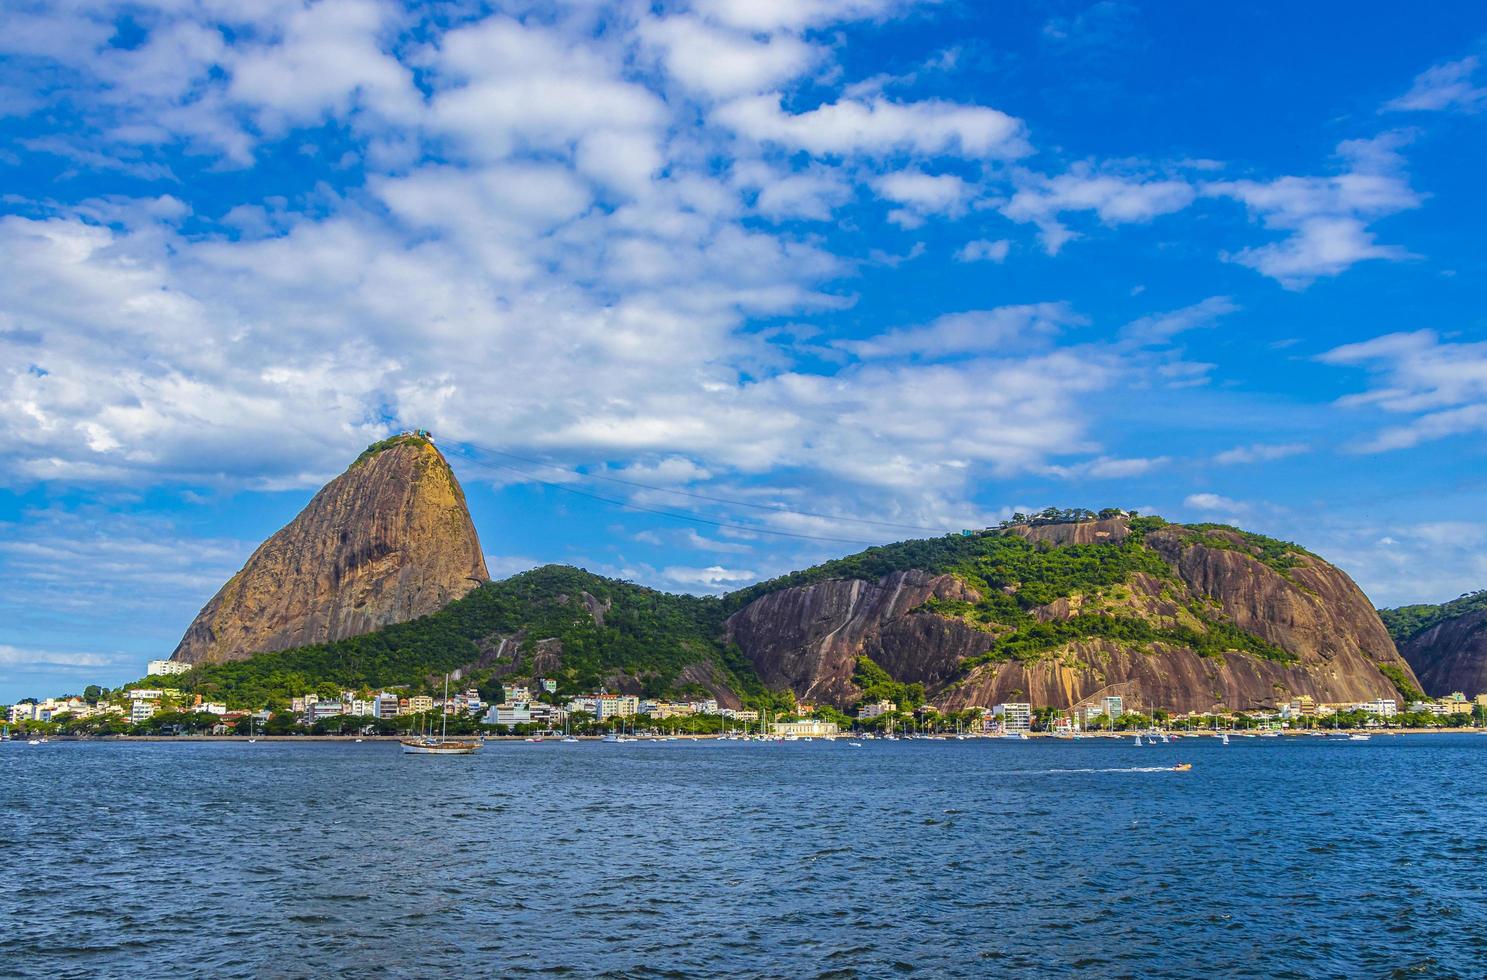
column 1031, row 772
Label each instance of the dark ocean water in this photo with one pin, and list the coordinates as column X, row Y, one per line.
column 1274, row 857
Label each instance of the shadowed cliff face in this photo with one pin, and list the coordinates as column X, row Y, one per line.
column 387, row 541
column 1451, row 656
column 808, row 637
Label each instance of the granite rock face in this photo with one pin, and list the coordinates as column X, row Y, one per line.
column 1451, row 655
column 387, row 541
column 808, row 637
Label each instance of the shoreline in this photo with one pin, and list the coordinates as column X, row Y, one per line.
column 1088, row 736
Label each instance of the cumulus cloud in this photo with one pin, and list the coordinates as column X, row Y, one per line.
column 1114, row 198
column 772, row 15
column 1326, row 219
column 921, row 195
column 878, row 127
column 983, row 250
column 713, row 578
column 1213, row 502
column 719, row 62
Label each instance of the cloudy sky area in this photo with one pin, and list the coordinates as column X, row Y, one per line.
column 816, row 273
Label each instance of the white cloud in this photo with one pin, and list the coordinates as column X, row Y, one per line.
column 772, row 15
column 702, row 543
column 974, row 331
column 52, row 659
column 812, row 194
column 1442, row 88
column 1110, row 467
column 1213, row 502
column 1404, row 561
column 923, row 194
column 328, row 57
column 1114, row 198
column 509, row 87
column 878, row 127
column 1326, row 218
column 721, row 62
column 1260, row 452
column 714, row 578
column 1442, row 384
column 1161, row 327
column 982, row 250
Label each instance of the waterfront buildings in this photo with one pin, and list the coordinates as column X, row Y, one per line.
column 509, row 714
column 420, row 704
column 321, row 710
column 876, row 710
column 141, row 710
column 810, row 728
column 1383, row 707
column 1016, row 717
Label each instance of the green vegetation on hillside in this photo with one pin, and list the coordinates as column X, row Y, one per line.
column 405, row 439
column 650, row 638
column 878, row 685
column 1029, row 643
column 1272, row 552
column 1402, row 683
column 648, row 635
column 1014, row 576
column 1407, row 622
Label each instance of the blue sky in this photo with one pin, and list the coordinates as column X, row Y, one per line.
column 856, row 270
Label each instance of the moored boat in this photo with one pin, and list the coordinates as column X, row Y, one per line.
column 439, row 746
column 429, row 745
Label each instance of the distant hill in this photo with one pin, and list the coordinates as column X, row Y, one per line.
column 1173, row 616
column 1446, row 644
column 387, row 541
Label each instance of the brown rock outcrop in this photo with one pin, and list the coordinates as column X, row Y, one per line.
column 387, row 541
column 808, row 637
column 1451, row 655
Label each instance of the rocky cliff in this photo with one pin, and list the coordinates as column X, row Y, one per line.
column 1183, row 618
column 387, row 541
column 1451, row 655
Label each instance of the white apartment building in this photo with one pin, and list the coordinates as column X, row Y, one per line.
column 877, row 709
column 324, row 709
column 509, row 714
column 1383, row 707
column 1015, row 717
column 165, row 668
column 141, row 710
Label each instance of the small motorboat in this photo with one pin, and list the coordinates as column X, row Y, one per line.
column 1183, row 767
